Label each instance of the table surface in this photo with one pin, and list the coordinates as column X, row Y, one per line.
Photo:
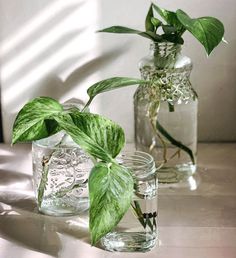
column 196, row 220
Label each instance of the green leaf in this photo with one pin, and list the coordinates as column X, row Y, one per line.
column 169, row 17
column 111, row 84
column 110, row 193
column 174, row 38
column 107, row 134
column 168, row 29
column 148, row 22
column 120, row 29
column 156, row 22
column 209, row 31
column 151, row 35
column 30, row 123
column 124, row 30
column 83, row 139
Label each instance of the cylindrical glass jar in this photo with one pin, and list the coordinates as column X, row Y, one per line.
column 137, row 231
column 60, row 175
column 166, row 112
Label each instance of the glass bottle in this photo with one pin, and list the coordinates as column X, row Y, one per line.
column 166, row 112
column 60, row 175
column 137, row 231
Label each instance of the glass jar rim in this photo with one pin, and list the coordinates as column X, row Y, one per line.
column 53, row 147
column 145, row 159
column 45, row 143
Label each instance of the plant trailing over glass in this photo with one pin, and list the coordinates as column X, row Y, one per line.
column 170, row 27
column 110, row 184
column 166, row 30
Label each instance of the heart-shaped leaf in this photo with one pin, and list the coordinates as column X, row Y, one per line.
column 209, row 31
column 107, row 134
column 30, row 122
column 110, row 193
column 83, row 139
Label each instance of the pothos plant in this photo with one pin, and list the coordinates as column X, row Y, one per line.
column 163, row 26
column 167, row 26
column 110, row 184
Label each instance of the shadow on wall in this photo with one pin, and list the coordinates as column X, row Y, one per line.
column 43, row 23
column 53, row 86
column 54, row 53
column 81, row 73
column 40, row 55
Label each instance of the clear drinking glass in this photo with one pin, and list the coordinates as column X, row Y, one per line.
column 60, row 175
column 137, row 231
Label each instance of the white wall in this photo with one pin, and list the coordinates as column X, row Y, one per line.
column 50, row 48
column 46, row 49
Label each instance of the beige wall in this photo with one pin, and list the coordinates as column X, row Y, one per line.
column 50, row 48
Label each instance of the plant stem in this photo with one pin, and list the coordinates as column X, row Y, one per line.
column 160, row 130
column 138, row 212
column 144, row 218
column 62, row 193
column 43, row 181
column 171, row 107
column 44, row 178
column 87, row 104
column 174, row 141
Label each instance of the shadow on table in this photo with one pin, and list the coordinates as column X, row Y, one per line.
column 21, row 223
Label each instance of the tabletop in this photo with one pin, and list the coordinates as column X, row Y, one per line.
column 196, row 219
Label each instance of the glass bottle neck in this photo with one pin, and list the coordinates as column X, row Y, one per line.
column 165, row 54
column 165, row 49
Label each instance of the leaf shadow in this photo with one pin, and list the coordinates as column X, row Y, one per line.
column 82, row 72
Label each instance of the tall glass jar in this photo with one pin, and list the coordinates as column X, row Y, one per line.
column 60, row 176
column 137, row 231
column 166, row 112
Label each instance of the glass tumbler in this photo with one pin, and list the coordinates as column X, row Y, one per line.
column 137, row 231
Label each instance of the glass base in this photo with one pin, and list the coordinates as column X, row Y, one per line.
column 129, row 241
column 62, row 207
column 176, row 174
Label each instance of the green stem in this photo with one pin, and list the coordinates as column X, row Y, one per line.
column 87, row 104
column 138, row 212
column 171, row 107
column 44, row 179
column 174, row 141
column 144, row 218
column 161, row 140
column 62, row 193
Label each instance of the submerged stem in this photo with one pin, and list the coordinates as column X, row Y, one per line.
column 173, row 141
column 160, row 131
column 144, row 218
column 171, row 107
column 44, row 178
